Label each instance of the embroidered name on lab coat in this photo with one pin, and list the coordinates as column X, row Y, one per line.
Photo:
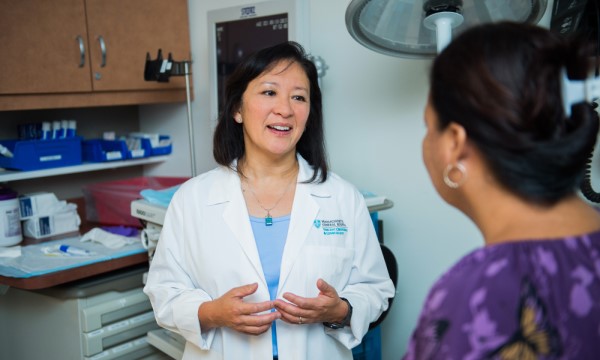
column 332, row 227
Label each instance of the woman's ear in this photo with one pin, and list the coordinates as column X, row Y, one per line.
column 237, row 116
column 455, row 143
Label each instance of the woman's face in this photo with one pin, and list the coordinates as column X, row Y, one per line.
column 274, row 110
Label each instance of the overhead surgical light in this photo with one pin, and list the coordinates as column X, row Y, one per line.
column 422, row 28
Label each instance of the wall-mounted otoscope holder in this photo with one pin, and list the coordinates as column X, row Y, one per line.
column 162, row 69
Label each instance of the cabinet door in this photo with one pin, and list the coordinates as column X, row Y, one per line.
column 41, row 43
column 129, row 29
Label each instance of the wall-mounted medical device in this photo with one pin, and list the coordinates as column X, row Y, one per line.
column 422, row 28
column 237, row 31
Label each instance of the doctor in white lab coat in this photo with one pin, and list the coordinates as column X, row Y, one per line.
column 269, row 256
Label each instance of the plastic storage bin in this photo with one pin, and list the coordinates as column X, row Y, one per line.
column 157, row 149
column 110, row 202
column 41, row 154
column 99, row 150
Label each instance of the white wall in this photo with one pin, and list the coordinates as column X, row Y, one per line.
column 374, row 127
column 373, row 114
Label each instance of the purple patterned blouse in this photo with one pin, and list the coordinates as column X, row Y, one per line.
column 520, row 300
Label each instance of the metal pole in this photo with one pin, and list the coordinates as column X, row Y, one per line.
column 190, row 122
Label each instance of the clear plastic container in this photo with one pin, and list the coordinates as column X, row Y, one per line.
column 10, row 218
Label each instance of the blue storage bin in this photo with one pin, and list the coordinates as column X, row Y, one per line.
column 99, row 150
column 157, row 150
column 41, row 154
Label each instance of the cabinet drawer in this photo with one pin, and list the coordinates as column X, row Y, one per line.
column 132, row 302
column 117, row 333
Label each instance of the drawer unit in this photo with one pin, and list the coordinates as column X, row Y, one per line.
column 107, row 317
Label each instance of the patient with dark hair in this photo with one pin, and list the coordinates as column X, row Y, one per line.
column 503, row 149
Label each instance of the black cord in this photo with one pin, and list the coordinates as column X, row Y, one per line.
column 586, row 186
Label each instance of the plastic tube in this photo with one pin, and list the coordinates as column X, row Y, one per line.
column 74, row 250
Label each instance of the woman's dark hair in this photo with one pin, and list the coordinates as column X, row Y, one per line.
column 228, row 142
column 501, row 82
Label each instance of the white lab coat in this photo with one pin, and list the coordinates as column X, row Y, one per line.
column 207, row 247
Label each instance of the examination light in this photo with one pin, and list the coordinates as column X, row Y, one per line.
column 422, row 28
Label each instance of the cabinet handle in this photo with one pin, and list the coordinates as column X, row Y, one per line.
column 81, row 51
column 103, row 51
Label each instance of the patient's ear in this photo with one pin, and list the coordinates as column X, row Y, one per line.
column 455, row 143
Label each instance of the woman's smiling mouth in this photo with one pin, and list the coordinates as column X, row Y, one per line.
column 279, row 127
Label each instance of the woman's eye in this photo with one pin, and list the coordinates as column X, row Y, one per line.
column 299, row 98
column 269, row 92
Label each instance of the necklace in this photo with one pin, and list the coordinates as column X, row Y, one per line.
column 268, row 217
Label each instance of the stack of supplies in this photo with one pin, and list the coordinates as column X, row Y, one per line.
column 43, row 215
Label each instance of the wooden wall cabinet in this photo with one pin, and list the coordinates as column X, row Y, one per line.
column 79, row 53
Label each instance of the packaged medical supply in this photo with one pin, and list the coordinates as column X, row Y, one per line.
column 153, row 138
column 64, row 126
column 109, row 135
column 71, row 128
column 10, row 224
column 38, row 204
column 153, row 144
column 63, row 220
column 4, row 151
column 56, row 130
column 29, row 131
column 46, row 130
column 74, row 251
column 66, row 250
column 108, row 239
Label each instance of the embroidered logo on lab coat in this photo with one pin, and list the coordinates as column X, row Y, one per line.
column 332, row 227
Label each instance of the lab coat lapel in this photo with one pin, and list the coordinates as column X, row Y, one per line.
column 235, row 216
column 304, row 212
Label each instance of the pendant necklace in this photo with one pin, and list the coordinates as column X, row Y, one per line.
column 268, row 217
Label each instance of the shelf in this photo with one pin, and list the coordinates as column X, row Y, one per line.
column 12, row 175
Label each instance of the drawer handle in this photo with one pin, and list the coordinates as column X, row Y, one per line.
column 102, row 50
column 81, row 51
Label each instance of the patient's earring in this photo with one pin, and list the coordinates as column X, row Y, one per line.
column 463, row 175
column 238, row 119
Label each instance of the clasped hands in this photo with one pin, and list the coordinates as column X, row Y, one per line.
column 231, row 311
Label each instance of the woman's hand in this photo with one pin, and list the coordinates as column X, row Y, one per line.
column 231, row 311
column 326, row 307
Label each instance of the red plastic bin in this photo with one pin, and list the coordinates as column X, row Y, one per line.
column 109, row 202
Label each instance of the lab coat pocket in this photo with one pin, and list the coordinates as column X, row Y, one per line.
column 330, row 263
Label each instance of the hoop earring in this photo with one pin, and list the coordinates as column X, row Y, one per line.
column 463, row 172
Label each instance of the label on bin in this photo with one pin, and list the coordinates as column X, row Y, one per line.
column 137, row 153
column 113, row 155
column 50, row 158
